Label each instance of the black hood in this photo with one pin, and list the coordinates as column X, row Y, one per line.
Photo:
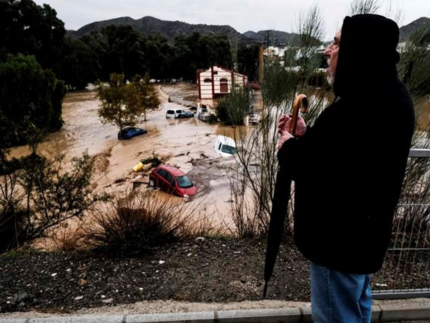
column 367, row 55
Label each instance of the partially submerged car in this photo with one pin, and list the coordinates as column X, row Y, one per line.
column 172, row 113
column 224, row 146
column 172, row 180
column 130, row 132
column 185, row 114
column 178, row 113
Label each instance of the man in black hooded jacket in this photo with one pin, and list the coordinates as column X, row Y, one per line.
column 349, row 167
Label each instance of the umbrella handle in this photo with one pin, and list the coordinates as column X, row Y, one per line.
column 301, row 102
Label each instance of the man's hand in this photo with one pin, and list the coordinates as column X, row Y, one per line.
column 284, row 126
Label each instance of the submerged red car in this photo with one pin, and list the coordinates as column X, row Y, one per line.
column 172, row 180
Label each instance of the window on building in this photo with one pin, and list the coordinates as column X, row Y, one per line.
column 224, row 85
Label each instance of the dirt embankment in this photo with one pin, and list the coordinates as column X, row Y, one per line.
column 212, row 270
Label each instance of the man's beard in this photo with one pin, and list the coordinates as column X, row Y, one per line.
column 330, row 79
column 330, row 75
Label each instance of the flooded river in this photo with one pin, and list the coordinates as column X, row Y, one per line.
column 179, row 141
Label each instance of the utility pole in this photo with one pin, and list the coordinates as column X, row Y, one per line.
column 261, row 64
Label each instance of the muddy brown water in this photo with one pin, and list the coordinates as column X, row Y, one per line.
column 178, row 140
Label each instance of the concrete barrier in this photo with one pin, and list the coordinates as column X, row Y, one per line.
column 380, row 313
column 163, row 94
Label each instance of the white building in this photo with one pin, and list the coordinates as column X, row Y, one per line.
column 275, row 51
column 218, row 81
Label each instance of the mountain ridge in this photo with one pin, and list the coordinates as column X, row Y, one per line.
column 407, row 30
column 151, row 26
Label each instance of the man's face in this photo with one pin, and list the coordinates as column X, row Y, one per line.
column 332, row 52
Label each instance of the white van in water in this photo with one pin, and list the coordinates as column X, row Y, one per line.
column 173, row 113
column 224, row 146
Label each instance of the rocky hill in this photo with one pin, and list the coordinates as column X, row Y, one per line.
column 408, row 30
column 274, row 36
column 150, row 26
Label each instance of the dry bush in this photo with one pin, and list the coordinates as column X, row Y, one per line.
column 68, row 239
column 248, row 214
column 56, row 192
column 38, row 193
column 365, row 7
column 144, row 220
column 254, row 177
column 411, row 223
column 247, row 224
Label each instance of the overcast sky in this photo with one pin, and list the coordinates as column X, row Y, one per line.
column 243, row 15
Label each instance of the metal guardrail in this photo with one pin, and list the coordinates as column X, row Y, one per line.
column 406, row 270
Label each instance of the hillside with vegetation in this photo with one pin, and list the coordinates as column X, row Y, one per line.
column 150, row 26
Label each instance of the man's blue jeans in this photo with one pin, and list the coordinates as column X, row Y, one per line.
column 338, row 297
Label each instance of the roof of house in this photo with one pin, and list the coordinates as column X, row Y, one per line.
column 221, row 68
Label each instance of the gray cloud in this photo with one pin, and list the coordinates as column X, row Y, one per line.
column 243, row 15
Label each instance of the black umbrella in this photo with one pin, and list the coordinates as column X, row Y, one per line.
column 280, row 201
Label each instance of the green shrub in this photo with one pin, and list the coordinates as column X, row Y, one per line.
column 232, row 109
